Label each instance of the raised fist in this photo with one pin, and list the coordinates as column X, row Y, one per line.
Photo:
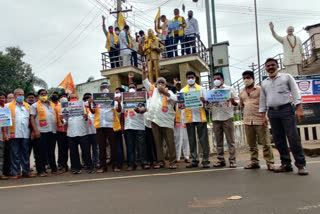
column 271, row 25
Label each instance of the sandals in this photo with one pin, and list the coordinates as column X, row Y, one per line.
column 173, row 166
column 220, row 164
column 146, row 166
column 233, row 165
column 252, row 166
column 116, row 170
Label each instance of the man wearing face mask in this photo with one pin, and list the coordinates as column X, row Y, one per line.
column 125, row 45
column 111, row 44
column 222, row 117
column 43, row 122
column 106, row 121
column 19, row 135
column 61, row 133
column 162, row 115
column 277, row 92
column 256, row 132
column 120, row 132
column 178, row 35
column 196, row 120
column 191, row 32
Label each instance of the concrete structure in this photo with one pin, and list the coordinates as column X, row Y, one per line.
column 89, row 87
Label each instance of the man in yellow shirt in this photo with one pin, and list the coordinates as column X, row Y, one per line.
column 178, row 34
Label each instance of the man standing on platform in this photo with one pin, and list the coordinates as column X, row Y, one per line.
column 277, row 92
column 191, row 32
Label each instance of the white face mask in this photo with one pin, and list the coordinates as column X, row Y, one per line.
column 132, row 90
column 105, row 90
column 191, row 81
column 63, row 100
column 117, row 95
column 217, row 83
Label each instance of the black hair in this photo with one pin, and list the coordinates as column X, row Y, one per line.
column 117, row 28
column 191, row 73
column 271, row 60
column 41, row 90
column 176, row 10
column 110, row 27
column 219, row 74
column 133, row 83
column 3, row 94
column 141, row 32
column 55, row 93
column 63, row 94
column 31, row 94
column 163, row 16
column 121, row 89
column 87, row 94
column 250, row 73
column 126, row 27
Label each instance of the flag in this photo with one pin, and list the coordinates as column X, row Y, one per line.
column 121, row 21
column 68, row 85
column 156, row 21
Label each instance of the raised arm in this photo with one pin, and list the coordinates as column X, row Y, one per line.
column 130, row 77
column 274, row 34
column 104, row 26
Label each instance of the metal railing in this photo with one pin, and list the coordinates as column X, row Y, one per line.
column 173, row 47
column 239, row 85
column 310, row 45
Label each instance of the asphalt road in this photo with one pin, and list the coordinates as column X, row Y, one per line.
column 166, row 191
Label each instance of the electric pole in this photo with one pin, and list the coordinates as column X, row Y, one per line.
column 252, row 66
column 211, row 66
column 119, row 9
column 257, row 38
column 215, row 40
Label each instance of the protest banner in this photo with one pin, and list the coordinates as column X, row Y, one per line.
column 192, row 99
column 5, row 117
column 218, row 98
column 309, row 87
column 72, row 109
column 103, row 100
column 135, row 99
column 174, row 25
column 181, row 103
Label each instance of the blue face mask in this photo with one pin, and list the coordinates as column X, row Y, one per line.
column 20, row 99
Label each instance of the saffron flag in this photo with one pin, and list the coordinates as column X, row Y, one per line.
column 68, row 85
column 156, row 21
column 121, row 21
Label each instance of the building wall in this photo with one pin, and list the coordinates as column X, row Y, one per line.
column 317, row 37
column 90, row 87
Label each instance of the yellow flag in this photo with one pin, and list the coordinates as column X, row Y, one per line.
column 68, row 84
column 156, row 21
column 121, row 21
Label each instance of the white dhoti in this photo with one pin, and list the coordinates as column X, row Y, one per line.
column 181, row 141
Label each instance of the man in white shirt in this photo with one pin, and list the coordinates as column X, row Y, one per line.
column 162, row 115
column 196, row 120
column 125, row 50
column 19, row 135
column 77, row 135
column 222, row 121
column 43, row 121
column 135, row 134
column 191, row 32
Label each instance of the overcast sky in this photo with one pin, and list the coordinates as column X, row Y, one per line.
column 66, row 36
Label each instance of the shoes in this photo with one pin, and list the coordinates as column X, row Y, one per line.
column 29, row 176
column 252, row 166
column 303, row 171
column 76, row 172
column 283, row 168
column 192, row 165
column 219, row 164
column 270, row 166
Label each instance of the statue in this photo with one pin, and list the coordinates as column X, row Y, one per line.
column 292, row 50
column 152, row 49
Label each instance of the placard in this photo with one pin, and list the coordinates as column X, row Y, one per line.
column 192, row 99
column 103, row 100
column 174, row 25
column 134, row 100
column 5, row 117
column 181, row 103
column 221, row 95
column 72, row 109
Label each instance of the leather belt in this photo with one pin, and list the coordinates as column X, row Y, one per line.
column 277, row 108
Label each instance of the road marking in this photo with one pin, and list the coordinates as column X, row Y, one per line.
column 124, row 177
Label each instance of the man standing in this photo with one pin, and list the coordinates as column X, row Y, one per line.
column 10, row 97
column 292, row 50
column 196, row 120
column 256, row 132
column 222, row 117
column 106, row 121
column 112, row 42
column 125, row 45
column 166, row 35
column 31, row 98
column 277, row 91
column 178, row 34
column 161, row 114
column 3, row 139
column 191, row 32
column 19, row 135
column 43, row 122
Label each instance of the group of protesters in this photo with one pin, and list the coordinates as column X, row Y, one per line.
column 152, row 133
column 123, row 49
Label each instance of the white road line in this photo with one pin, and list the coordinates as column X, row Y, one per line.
column 124, row 177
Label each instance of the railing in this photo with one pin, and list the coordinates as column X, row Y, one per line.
column 239, row 85
column 188, row 44
column 310, row 44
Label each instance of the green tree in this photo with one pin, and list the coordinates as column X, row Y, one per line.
column 15, row 73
